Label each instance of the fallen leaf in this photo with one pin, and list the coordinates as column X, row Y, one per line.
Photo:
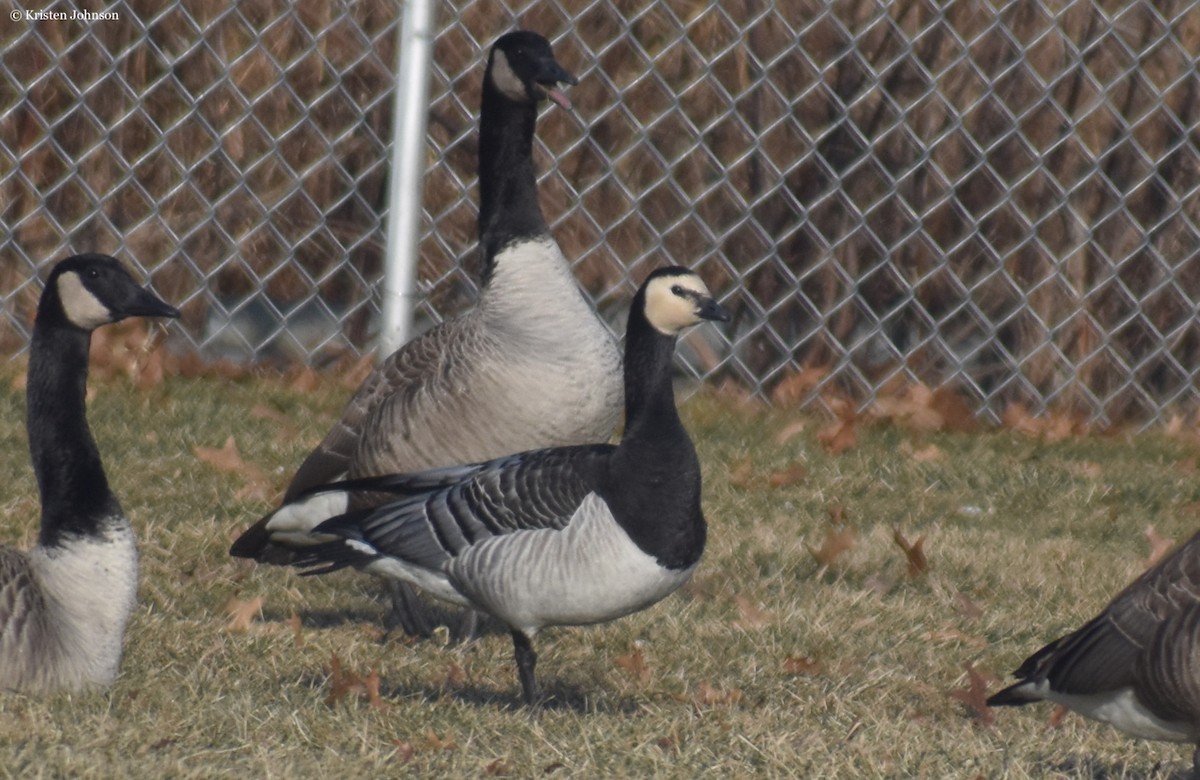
column 1159, row 546
column 634, row 662
column 439, row 743
column 297, row 630
column 927, row 454
column 1057, row 715
column 795, row 388
column 975, row 695
column 802, row 665
column 789, row 476
column 843, row 434
column 497, row 768
column 371, row 685
column 242, row 613
column 305, row 380
column 751, row 615
column 966, row 607
column 226, row 458
column 404, row 749
column 836, row 542
column 790, row 431
column 456, row 676
column 741, row 474
column 915, row 552
column 706, row 695
column 340, row 682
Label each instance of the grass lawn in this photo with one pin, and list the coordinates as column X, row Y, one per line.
column 770, row 663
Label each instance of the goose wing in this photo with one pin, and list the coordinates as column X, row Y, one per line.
column 440, row 513
column 403, row 378
column 22, row 609
column 1106, row 652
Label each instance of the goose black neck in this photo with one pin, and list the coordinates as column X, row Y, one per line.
column 508, row 200
column 74, row 490
column 652, row 485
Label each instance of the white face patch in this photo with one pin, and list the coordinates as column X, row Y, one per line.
column 669, row 312
column 506, row 80
column 82, row 308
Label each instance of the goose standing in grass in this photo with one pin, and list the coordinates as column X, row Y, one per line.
column 64, row 604
column 530, row 366
column 550, row 537
column 1136, row 665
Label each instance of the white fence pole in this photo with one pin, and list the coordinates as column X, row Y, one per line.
column 408, row 168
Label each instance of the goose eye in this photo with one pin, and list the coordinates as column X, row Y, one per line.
column 92, row 273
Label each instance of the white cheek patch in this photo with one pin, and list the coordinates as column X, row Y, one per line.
column 506, row 79
column 670, row 313
column 82, row 308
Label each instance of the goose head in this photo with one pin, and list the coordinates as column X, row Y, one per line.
column 87, row 291
column 523, row 69
column 676, row 298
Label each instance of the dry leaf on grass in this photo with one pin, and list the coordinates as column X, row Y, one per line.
column 706, row 695
column 228, row 459
column 456, row 676
column 634, row 663
column 1159, row 546
column 1057, row 715
column 750, row 615
column 242, row 613
column 914, row 552
column 795, row 388
column 297, row 627
column 789, row 476
column 975, row 695
column 344, row 682
column 836, row 542
column 439, row 743
column 802, row 665
column 1051, row 427
column 966, row 607
column 843, row 434
column 497, row 768
column 741, row 474
column 790, row 431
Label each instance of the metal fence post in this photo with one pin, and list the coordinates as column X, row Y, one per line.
column 408, row 167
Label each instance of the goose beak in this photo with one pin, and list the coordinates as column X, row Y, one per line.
column 552, row 80
column 709, row 309
column 143, row 303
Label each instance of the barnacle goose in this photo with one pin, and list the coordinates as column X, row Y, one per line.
column 530, row 366
column 64, row 604
column 1136, row 665
column 561, row 536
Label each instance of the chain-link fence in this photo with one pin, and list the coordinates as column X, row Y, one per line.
column 997, row 197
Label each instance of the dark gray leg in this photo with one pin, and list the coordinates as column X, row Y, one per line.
column 1196, row 764
column 526, row 660
column 409, row 610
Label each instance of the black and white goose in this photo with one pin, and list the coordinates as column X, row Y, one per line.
column 550, row 537
column 1136, row 665
column 64, row 604
column 531, row 365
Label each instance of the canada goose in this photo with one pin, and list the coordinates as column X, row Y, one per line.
column 1136, row 665
column 530, row 366
column 64, row 604
column 550, row 537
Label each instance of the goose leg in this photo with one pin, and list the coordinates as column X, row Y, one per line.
column 526, row 660
column 1196, row 764
column 408, row 610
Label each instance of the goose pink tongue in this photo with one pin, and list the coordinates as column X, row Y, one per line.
column 555, row 94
